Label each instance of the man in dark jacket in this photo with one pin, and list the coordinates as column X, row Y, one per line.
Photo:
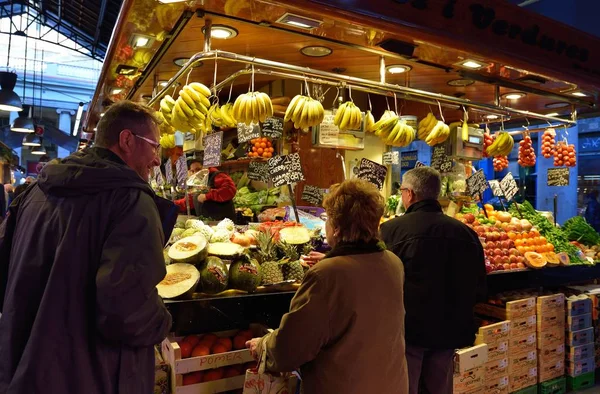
column 445, row 273
column 80, row 257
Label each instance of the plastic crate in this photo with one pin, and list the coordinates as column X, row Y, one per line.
column 554, row 386
column 528, row 390
column 581, row 382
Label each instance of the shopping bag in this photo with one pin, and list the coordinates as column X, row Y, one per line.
column 260, row 382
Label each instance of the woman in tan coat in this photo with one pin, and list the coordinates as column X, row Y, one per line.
column 345, row 328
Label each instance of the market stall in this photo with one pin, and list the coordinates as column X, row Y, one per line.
column 289, row 98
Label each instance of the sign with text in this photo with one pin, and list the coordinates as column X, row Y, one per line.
column 439, row 159
column 476, row 184
column 258, row 171
column 272, row 128
column 558, row 176
column 247, row 132
column 408, row 160
column 372, row 172
column 313, row 194
column 212, row 149
column 496, row 189
column 181, row 168
column 509, row 186
column 329, row 133
column 285, row 170
column 391, row 158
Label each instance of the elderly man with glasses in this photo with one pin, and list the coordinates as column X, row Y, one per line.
column 445, row 275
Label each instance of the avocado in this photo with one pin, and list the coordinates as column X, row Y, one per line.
column 213, row 275
column 244, row 274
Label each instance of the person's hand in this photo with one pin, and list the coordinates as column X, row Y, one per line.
column 201, row 198
column 252, row 345
column 313, row 257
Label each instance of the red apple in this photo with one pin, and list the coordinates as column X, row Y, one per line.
column 513, row 266
column 513, row 259
column 469, row 217
column 520, row 265
column 500, row 267
column 520, row 259
column 497, row 260
column 506, row 266
column 503, row 236
column 505, row 244
column 489, row 268
column 498, row 252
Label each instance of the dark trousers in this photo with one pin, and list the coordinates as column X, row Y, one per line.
column 429, row 371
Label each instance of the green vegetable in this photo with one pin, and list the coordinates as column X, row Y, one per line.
column 392, row 204
column 578, row 229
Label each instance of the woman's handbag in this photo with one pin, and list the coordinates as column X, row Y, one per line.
column 260, row 382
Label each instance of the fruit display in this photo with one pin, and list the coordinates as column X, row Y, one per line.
column 304, row 112
column 252, row 107
column 548, row 143
column 369, row 122
column 181, row 280
column 564, row 155
column 190, row 249
column 393, row 130
column 488, row 140
column 535, row 260
column 214, row 276
column 502, row 145
column 189, row 111
column 500, row 163
column 221, row 116
column 526, row 152
column 261, row 147
column 432, row 131
column 348, row 116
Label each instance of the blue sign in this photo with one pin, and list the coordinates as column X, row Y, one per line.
column 408, row 160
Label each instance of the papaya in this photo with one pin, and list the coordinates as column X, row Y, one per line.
column 535, row 260
column 552, row 259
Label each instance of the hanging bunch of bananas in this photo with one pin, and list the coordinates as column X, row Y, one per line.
column 393, row 130
column 502, row 145
column 222, row 116
column 438, row 134
column 166, row 107
column 167, row 141
column 369, row 122
column 426, row 125
column 252, row 107
column 164, row 127
column 348, row 116
column 304, row 112
column 191, row 108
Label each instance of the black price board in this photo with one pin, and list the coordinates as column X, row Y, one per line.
column 247, row 132
column 439, row 159
column 273, row 128
column 258, row 171
column 558, row 176
column 390, row 158
column 496, row 189
column 372, row 172
column 285, row 170
column 212, row 149
column 476, row 184
column 313, row 194
column 509, row 186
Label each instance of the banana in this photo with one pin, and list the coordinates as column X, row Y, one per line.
column 346, row 118
column 434, row 134
column 304, row 116
column 200, row 88
column 198, row 98
column 198, row 114
column 268, row 104
column 369, row 122
column 291, row 107
column 165, row 107
column 339, row 114
column 262, row 107
column 170, row 101
column 236, row 108
column 386, row 126
column 227, row 118
column 321, row 112
column 394, row 133
column 185, row 96
column 298, row 109
column 185, row 108
column 465, row 131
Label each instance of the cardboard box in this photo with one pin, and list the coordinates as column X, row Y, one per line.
column 551, row 370
column 467, row 381
column 578, row 306
column 522, row 380
column 578, row 338
column 523, row 343
column 520, row 308
column 577, row 368
column 497, row 351
column 496, row 369
column 524, row 325
column 522, row 362
column 580, row 322
column 551, row 320
column 550, row 337
column 495, row 333
column 578, row 353
column 552, row 352
column 470, row 358
column 497, row 385
column 551, row 303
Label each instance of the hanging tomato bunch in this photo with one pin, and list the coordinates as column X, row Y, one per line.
column 565, row 155
column 500, row 163
column 526, row 152
column 487, row 141
column 548, row 143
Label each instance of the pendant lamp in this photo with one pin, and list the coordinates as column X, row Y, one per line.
column 24, row 123
column 9, row 100
column 32, row 140
column 39, row 150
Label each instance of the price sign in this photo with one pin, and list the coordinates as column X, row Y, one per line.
column 258, row 171
column 247, row 132
column 439, row 160
column 182, row 169
column 408, row 160
column 328, row 132
column 496, row 189
column 509, row 186
column 313, row 194
column 212, row 149
column 285, row 170
column 273, row 127
column 391, row 158
column 372, row 172
column 476, row 184
column 558, row 176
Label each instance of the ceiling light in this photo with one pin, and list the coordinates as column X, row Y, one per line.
column 532, row 80
column 558, row 104
column 101, row 114
column 24, row 123
column 32, row 140
column 301, row 22
column 39, row 150
column 553, row 114
column 472, row 64
column 162, row 84
column 513, row 95
column 9, row 100
column 140, row 41
column 316, row 51
column 221, row 31
column 460, row 82
column 116, row 91
column 398, row 68
column 579, row 94
column 491, row 117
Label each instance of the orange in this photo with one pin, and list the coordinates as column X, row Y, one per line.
column 550, row 248
column 269, row 144
column 263, row 145
column 218, row 349
column 226, row 342
column 186, row 349
column 267, row 155
column 201, row 350
column 260, row 151
column 193, row 378
column 213, row 374
column 264, row 139
column 239, row 342
column 192, row 340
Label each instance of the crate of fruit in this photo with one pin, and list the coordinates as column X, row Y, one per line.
column 209, row 363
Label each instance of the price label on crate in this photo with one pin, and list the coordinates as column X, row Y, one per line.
column 558, row 176
column 285, row 170
column 247, row 132
column 509, row 186
column 439, row 159
column 496, row 189
column 372, row 172
column 258, row 171
column 213, row 144
column 391, row 158
column 313, row 194
column 273, row 128
column 476, row 184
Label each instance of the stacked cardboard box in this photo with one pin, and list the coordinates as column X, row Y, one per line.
column 496, row 337
column 522, row 345
column 581, row 361
column 469, row 370
column 551, row 337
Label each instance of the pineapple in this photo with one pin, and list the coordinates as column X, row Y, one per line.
column 292, row 269
column 270, row 267
column 271, row 273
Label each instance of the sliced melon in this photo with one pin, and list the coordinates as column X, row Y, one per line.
column 180, row 281
column 564, row 258
column 191, row 250
column 225, row 250
column 296, row 235
column 552, row 258
column 535, row 260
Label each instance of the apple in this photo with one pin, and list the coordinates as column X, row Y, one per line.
column 503, row 236
column 498, row 252
column 520, row 265
column 497, row 260
column 505, row 244
column 499, row 267
column 469, row 218
column 520, row 259
column 513, row 251
column 513, row 266
column 518, row 227
column 489, row 268
column 505, row 260
column 513, row 259
column 506, row 266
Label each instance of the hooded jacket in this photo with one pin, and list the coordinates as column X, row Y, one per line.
column 80, row 256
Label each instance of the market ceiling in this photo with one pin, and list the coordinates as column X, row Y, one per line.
column 480, row 50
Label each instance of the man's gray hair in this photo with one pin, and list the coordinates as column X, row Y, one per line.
column 425, row 182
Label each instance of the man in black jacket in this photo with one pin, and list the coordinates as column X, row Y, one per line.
column 445, row 274
column 80, row 257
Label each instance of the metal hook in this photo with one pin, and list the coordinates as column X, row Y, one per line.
column 369, row 99
column 395, row 103
column 441, row 113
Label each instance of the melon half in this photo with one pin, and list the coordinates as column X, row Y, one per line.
column 180, row 281
column 191, row 250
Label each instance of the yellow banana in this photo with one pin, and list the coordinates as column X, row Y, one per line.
column 291, row 108
column 339, row 114
column 268, row 104
column 185, row 108
column 369, row 122
column 298, row 109
column 185, row 96
column 200, row 88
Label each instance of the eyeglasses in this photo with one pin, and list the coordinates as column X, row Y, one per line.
column 403, row 189
column 154, row 144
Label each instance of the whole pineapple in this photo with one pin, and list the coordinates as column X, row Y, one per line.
column 270, row 268
column 292, row 269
